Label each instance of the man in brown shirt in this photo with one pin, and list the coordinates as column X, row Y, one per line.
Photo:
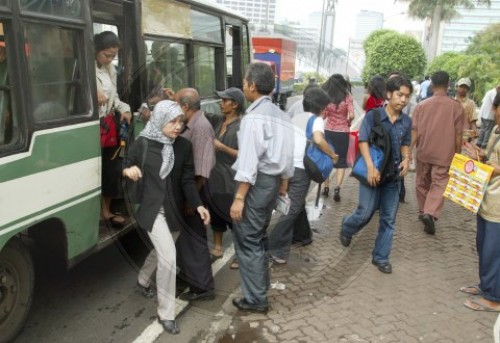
column 193, row 256
column 437, row 130
column 462, row 95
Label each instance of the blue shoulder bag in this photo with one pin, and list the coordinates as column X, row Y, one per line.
column 317, row 164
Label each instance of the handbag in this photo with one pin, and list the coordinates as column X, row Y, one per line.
column 360, row 170
column 317, row 164
column 109, row 131
column 380, row 152
column 133, row 190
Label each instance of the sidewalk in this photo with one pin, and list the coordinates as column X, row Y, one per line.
column 335, row 294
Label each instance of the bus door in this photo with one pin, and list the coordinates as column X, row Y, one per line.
column 119, row 17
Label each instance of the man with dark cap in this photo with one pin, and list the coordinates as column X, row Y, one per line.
column 221, row 183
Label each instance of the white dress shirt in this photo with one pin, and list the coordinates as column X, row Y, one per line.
column 265, row 141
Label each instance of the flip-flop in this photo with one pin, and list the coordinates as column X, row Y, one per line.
column 235, row 264
column 477, row 305
column 474, row 290
column 116, row 223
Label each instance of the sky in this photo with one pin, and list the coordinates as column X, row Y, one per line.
column 346, row 12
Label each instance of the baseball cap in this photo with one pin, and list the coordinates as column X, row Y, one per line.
column 233, row 93
column 464, row 81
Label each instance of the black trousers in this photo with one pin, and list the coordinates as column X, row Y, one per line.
column 193, row 256
column 302, row 229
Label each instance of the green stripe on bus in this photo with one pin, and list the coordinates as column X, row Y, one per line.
column 54, row 150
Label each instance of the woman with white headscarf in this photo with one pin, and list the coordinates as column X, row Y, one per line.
column 157, row 205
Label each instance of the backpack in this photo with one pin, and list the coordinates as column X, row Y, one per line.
column 380, row 151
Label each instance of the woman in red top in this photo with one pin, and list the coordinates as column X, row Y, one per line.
column 339, row 114
column 375, row 94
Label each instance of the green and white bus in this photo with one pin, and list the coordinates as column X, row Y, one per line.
column 50, row 163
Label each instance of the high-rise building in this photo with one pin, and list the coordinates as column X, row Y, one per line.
column 367, row 22
column 260, row 12
column 455, row 35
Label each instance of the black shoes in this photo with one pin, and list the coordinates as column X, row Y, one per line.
column 428, row 221
column 170, row 326
column 344, row 240
column 191, row 296
column 385, row 268
column 243, row 305
column 336, row 194
column 326, row 191
column 147, row 292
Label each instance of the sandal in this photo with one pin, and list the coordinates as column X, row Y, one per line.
column 277, row 260
column 478, row 305
column 235, row 264
column 116, row 221
column 474, row 290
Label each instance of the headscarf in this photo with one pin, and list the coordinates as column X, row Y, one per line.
column 163, row 112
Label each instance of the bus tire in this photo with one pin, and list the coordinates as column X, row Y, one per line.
column 17, row 279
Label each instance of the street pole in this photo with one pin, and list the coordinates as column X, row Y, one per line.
column 347, row 58
column 321, row 36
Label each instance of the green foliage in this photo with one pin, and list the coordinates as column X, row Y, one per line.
column 450, row 62
column 392, row 51
column 479, row 62
column 425, row 8
column 373, row 37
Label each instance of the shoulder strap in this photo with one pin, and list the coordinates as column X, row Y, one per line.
column 376, row 117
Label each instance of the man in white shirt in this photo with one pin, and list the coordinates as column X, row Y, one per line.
column 263, row 167
column 487, row 117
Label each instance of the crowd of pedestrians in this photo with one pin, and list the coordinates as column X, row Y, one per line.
column 229, row 170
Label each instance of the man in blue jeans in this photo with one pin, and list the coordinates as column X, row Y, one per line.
column 383, row 196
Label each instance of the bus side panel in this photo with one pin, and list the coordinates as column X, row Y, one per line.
column 61, row 171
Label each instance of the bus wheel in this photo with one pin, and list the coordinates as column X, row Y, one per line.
column 16, row 288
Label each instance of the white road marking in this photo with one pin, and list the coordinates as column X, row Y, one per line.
column 154, row 330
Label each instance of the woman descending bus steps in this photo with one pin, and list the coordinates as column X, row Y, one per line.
column 157, row 211
column 107, row 45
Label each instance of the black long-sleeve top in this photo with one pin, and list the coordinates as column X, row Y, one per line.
column 174, row 192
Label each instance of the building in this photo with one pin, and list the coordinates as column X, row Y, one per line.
column 261, row 13
column 367, row 22
column 456, row 34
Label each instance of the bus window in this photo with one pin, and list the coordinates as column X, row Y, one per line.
column 8, row 119
column 229, row 55
column 67, row 8
column 54, row 72
column 166, row 66
column 204, row 70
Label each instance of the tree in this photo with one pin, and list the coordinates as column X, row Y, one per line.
column 368, row 42
column 437, row 11
column 449, row 62
column 394, row 51
column 479, row 62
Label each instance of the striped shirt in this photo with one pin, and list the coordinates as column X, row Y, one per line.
column 201, row 134
column 266, row 142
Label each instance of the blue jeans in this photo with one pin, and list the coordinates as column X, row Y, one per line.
column 487, row 243
column 385, row 199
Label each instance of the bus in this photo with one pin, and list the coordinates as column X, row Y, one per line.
column 50, row 163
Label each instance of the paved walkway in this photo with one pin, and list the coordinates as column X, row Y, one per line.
column 335, row 294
